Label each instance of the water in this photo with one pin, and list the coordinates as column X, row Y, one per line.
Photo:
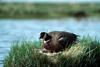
column 15, row 30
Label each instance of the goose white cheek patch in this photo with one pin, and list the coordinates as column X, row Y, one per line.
column 46, row 41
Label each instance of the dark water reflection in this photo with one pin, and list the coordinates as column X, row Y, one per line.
column 14, row 30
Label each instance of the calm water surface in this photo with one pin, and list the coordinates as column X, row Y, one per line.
column 15, row 30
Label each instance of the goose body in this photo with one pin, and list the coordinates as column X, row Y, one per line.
column 56, row 41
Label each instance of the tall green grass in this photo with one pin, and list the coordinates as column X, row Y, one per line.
column 46, row 10
column 86, row 53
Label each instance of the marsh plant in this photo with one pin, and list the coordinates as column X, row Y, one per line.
column 47, row 10
column 85, row 53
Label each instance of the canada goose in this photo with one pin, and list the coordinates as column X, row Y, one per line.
column 56, row 41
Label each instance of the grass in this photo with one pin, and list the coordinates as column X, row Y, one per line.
column 86, row 53
column 46, row 10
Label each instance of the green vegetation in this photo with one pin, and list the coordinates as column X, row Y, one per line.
column 46, row 10
column 86, row 53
